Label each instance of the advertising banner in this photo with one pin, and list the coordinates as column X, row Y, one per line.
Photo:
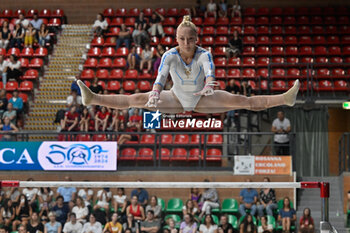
column 58, row 156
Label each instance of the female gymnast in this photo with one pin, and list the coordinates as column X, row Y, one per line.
column 192, row 71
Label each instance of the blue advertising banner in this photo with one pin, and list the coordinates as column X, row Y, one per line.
column 58, row 156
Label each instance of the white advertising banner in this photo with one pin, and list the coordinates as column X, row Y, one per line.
column 244, row 165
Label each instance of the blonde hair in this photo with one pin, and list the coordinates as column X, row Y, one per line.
column 186, row 22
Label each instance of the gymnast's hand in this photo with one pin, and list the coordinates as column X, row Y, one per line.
column 153, row 99
column 208, row 89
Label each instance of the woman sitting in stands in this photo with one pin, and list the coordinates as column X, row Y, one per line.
column 136, row 209
column 247, row 225
column 286, row 216
column 306, row 223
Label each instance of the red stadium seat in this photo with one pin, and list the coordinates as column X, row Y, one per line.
column 145, row 75
column 214, row 154
column 220, row 51
column 26, row 86
column 302, row 11
column 87, row 74
column 323, row 73
column 54, row 22
column 263, row 72
column 166, row 139
column 130, row 22
column 289, row 11
column 97, row 41
column 343, row 20
column 40, row 52
column 277, row 40
column 341, row 85
column 279, row 85
column 144, row 86
column 290, row 40
column 116, row 74
column 233, row 73
column 181, row 139
column 236, row 21
column 24, row 97
column 194, row 154
column 221, row 40
column 170, row 31
column 179, row 154
column 185, row 11
column 31, row 74
column 346, row 50
column 27, row 52
column 11, row 86
column 172, row 12
column 19, row 11
column 278, row 73
column 289, row 20
column 110, row 42
column 215, row 139
column 318, row 30
column 262, row 30
column 165, row 154
column 128, row 154
column 334, row 50
column 14, row 51
column 277, row 60
column 131, row 74
column 338, row 60
column 147, row 139
column 291, row 50
column 208, row 30
column 209, row 21
column 197, row 21
column 167, row 41
column 57, row 13
column 325, row 85
column 249, row 11
column 292, row 60
column 104, row 63
column 7, row 13
column 94, row 52
column 305, row 50
column 147, row 12
column 338, row 73
column 305, row 40
column 108, row 52
column 249, row 30
column 319, row 40
column 113, row 85
column 263, row 51
column 83, row 137
column 290, row 30
column 321, row 60
column 320, row 50
column 90, row 63
column 220, row 62
column 293, row 73
column 248, row 50
column 44, row 13
column 263, row 40
column 122, row 52
column 108, row 12
column 2, row 52
column 249, row 40
column 222, row 21
column 262, row 21
column 36, row 63
column 118, row 21
column 276, row 30
column 248, row 73
column 102, row 74
column 263, row 61
column 145, row 154
column 303, row 20
column 276, row 11
column 248, row 61
column 134, row 12
column 119, row 62
column 120, row 12
column 316, row 20
column 276, row 20
column 277, row 50
column 207, row 40
column 222, row 30
column 304, row 30
column 169, row 21
column 220, row 73
column 234, row 62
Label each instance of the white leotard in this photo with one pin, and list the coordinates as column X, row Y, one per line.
column 187, row 79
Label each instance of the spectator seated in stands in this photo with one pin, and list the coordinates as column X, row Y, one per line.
column 135, row 120
column 236, row 9
column 17, row 102
column 10, row 113
column 136, row 209
column 196, row 197
column 281, row 127
column 222, row 8
column 247, row 225
column 140, row 36
column 225, row 226
column 198, row 9
column 101, row 119
column 95, row 87
column 80, row 210
column 120, row 201
column 113, row 226
column 92, row 226
column 31, row 194
column 286, row 216
column 5, row 35
column 150, row 224
column 35, row 224
column 72, row 225
column 159, row 53
column 246, row 89
column 23, row 212
column 12, row 70
column 188, row 225
column 141, row 21
column 3, row 102
column 208, row 226
column 17, row 36
column 146, row 58
column 211, row 9
column 248, row 198
column 74, row 86
column 100, row 25
column 131, row 224
column 153, row 205
column 22, row 21
column 29, row 36
column 133, row 58
column 8, row 213
column 141, row 194
column 155, row 25
column 84, row 122
column 104, row 197
column 60, row 210
column 45, row 197
column 36, row 21
column 3, row 65
column 171, row 228
column 306, row 223
column 7, row 126
column 235, row 46
column 117, row 119
column 267, row 198
column 22, row 229
column 74, row 100
column 264, row 225
column 43, row 36
column 71, row 120
column 68, row 193
column 189, row 208
column 210, row 200
column 87, row 194
column 124, row 37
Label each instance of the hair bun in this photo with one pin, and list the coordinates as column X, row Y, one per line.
column 186, row 18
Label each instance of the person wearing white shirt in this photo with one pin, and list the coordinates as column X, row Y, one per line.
column 211, row 9
column 80, row 210
column 74, row 99
column 3, row 65
column 12, row 69
column 36, row 22
column 92, row 226
column 103, row 198
column 73, row 226
column 100, row 25
column 281, row 128
column 23, row 21
column 87, row 195
column 120, row 200
column 208, row 226
column 31, row 194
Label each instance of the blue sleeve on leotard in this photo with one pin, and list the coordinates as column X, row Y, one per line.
column 163, row 70
column 208, row 64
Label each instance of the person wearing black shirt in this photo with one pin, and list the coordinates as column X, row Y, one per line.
column 225, row 226
column 232, row 87
column 141, row 20
column 34, row 224
column 235, row 46
column 95, row 87
column 246, row 89
column 155, row 22
column 3, row 102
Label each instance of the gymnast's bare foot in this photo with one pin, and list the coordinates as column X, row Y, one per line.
column 86, row 93
column 291, row 95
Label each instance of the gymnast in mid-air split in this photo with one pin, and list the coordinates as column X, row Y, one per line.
column 193, row 73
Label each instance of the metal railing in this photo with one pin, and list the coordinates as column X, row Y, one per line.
column 244, row 143
column 344, row 153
